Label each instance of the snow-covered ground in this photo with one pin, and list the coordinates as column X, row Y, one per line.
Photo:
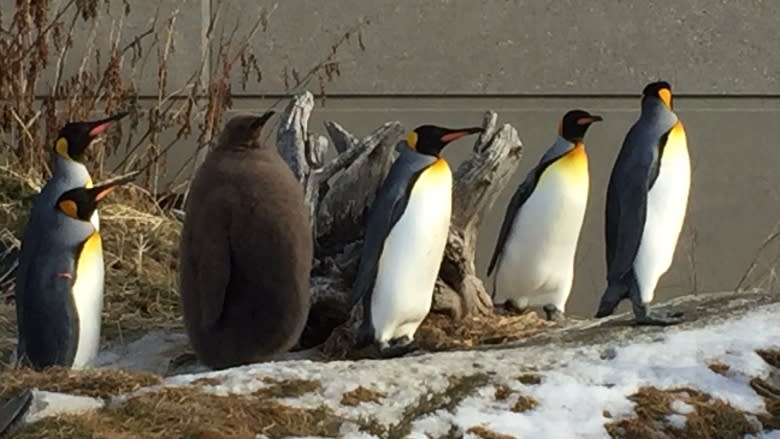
column 579, row 381
column 577, row 386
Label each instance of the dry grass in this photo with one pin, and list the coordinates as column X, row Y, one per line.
column 719, row 368
column 769, row 392
column 438, row 332
column 286, row 388
column 360, row 394
column 502, row 392
column 185, row 412
column 530, row 379
column 98, row 383
column 486, row 433
column 709, row 417
column 770, row 356
column 524, row 403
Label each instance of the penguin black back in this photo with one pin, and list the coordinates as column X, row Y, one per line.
column 246, row 251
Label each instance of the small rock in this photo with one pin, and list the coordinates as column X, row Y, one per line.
column 608, row 354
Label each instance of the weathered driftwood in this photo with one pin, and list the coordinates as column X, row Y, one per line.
column 341, row 192
column 478, row 181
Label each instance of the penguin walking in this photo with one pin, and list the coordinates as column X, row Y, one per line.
column 63, row 297
column 68, row 172
column 404, row 242
column 246, row 251
column 647, row 199
column 534, row 254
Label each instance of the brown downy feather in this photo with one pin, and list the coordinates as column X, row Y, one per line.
column 246, row 252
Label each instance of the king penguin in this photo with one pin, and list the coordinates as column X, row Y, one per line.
column 63, row 298
column 534, row 253
column 404, row 242
column 68, row 173
column 647, row 198
column 246, row 251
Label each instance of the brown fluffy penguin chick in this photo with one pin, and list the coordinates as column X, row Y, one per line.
column 246, row 252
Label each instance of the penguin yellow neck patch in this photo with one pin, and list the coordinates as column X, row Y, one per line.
column 62, row 148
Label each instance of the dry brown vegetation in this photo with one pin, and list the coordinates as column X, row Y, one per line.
column 361, row 394
column 54, row 69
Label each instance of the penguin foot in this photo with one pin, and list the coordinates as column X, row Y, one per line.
column 516, row 306
column 553, row 313
column 658, row 318
column 398, row 347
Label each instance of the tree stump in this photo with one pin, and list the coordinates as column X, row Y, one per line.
column 340, row 192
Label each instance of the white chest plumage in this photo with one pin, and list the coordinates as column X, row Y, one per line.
column 87, row 294
column 537, row 263
column 411, row 257
column 667, row 202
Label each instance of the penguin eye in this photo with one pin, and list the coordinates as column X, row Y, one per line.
column 69, row 207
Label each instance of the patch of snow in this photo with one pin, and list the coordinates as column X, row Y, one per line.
column 676, row 421
column 46, row 404
column 681, row 407
column 150, row 353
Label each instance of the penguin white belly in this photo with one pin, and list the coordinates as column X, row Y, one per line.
column 667, row 202
column 411, row 257
column 88, row 298
column 537, row 263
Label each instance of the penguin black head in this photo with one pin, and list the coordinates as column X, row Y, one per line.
column 661, row 90
column 575, row 123
column 80, row 203
column 243, row 131
column 74, row 137
column 430, row 139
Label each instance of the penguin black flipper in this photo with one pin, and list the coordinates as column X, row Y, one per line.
column 626, row 212
column 13, row 410
column 390, row 202
column 519, row 198
column 51, row 338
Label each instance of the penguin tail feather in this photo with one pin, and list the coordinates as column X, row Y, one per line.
column 611, row 298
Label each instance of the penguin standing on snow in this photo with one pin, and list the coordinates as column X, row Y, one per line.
column 246, row 251
column 68, row 173
column 647, row 200
column 404, row 243
column 63, row 296
column 534, row 253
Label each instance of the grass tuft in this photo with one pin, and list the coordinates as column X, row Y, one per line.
column 360, row 394
column 486, row 433
column 97, row 383
column 709, row 417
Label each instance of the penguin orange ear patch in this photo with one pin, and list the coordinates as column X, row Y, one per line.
column 411, row 140
column 666, row 95
column 62, row 147
column 68, row 207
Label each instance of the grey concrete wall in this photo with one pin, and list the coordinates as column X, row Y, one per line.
column 447, row 61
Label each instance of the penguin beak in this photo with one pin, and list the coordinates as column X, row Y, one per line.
column 589, row 120
column 457, row 134
column 100, row 126
column 103, row 189
column 260, row 121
